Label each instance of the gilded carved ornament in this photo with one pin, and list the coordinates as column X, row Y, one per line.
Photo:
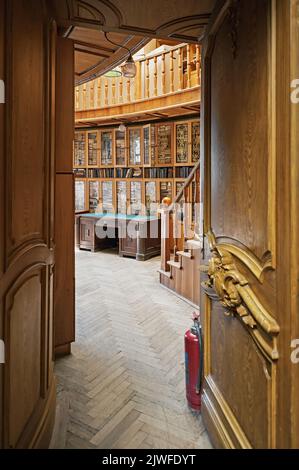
column 234, row 293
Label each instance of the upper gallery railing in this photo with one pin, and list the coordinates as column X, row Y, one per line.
column 158, row 74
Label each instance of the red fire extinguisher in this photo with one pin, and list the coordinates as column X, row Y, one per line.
column 194, row 363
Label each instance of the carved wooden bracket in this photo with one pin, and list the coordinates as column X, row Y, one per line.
column 229, row 287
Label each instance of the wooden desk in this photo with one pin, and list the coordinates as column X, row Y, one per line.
column 137, row 236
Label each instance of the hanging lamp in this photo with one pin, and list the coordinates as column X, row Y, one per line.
column 128, row 69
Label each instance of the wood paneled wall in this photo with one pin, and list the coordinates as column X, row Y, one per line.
column 64, row 292
column 250, row 224
column 27, row 52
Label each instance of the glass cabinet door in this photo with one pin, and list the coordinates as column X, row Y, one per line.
column 107, row 196
column 106, row 148
column 135, row 146
column 136, row 197
column 121, row 192
column 164, row 144
column 181, row 143
column 92, row 140
column 79, row 149
column 165, row 190
column 120, row 148
column 195, row 141
column 80, row 196
column 94, row 195
column 150, row 197
column 146, row 145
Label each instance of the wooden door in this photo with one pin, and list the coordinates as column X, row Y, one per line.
column 249, row 298
column 27, row 52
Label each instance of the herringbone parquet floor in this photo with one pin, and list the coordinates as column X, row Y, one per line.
column 123, row 385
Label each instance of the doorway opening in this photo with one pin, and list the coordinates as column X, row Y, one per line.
column 136, row 184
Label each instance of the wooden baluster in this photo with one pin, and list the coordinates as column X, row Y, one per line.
column 165, row 239
column 84, row 96
column 99, row 91
column 198, row 64
column 77, row 96
column 181, row 74
column 113, row 90
column 147, row 90
column 197, row 201
column 176, row 234
column 163, row 84
column 187, row 215
column 171, row 73
column 155, row 77
column 121, row 90
column 88, row 95
column 106, row 92
column 188, row 66
column 91, row 98
column 128, row 89
column 138, row 81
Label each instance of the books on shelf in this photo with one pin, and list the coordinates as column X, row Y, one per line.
column 166, row 172
column 100, row 172
column 80, row 172
column 183, row 171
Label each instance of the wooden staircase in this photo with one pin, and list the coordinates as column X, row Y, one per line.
column 180, row 241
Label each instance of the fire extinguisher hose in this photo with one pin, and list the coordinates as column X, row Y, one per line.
column 200, row 347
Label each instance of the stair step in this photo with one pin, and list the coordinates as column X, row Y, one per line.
column 165, row 273
column 175, row 264
column 186, row 254
column 194, row 244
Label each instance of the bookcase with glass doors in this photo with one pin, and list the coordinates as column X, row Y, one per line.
column 131, row 171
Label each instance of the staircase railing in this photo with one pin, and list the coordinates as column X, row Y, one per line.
column 180, row 221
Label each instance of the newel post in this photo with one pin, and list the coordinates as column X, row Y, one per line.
column 165, row 238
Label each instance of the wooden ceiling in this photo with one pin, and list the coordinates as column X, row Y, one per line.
column 95, row 55
column 132, row 22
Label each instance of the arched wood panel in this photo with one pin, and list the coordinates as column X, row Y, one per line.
column 27, row 212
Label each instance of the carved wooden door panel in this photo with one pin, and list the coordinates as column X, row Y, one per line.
column 245, row 275
column 26, row 222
